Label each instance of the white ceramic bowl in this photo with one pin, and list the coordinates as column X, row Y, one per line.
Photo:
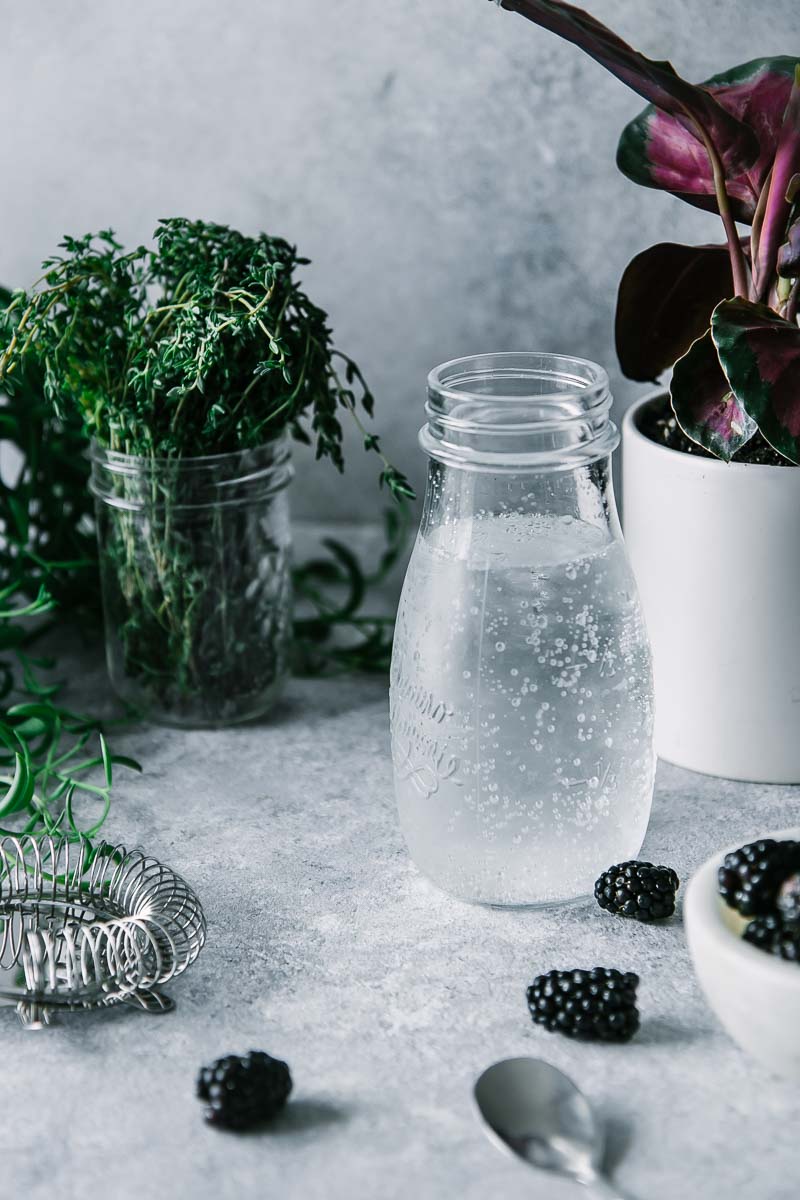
column 755, row 996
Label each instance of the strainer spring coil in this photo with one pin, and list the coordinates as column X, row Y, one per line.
column 84, row 927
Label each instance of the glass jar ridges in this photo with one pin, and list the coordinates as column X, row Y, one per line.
column 196, row 579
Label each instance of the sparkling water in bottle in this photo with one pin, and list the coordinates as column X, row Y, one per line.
column 521, row 686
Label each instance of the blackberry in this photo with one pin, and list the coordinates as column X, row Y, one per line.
column 750, row 877
column 243, row 1090
column 788, row 901
column 772, row 934
column 597, row 1005
column 638, row 890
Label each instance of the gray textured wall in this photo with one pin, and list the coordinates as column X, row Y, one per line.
column 448, row 167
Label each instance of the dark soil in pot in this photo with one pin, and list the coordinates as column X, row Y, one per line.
column 656, row 421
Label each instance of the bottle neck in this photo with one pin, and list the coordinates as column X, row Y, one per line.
column 456, row 498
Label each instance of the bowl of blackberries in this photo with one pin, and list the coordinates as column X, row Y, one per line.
column 742, row 917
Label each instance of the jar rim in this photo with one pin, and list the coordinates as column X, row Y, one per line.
column 588, row 378
column 134, row 481
column 518, row 411
column 104, row 454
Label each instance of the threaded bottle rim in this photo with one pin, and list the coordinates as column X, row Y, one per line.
column 518, row 411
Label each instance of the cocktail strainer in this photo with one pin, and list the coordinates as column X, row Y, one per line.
column 85, row 927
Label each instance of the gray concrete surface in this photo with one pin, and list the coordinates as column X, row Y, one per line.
column 448, row 168
column 385, row 996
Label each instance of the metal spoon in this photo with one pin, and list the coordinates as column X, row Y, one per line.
column 537, row 1112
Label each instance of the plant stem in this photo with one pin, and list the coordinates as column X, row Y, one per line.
column 758, row 221
column 741, row 284
column 359, row 424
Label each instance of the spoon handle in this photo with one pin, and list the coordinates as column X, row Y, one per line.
column 600, row 1189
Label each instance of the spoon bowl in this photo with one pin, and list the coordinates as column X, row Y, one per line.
column 532, row 1109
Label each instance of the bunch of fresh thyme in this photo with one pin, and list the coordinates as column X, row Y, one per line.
column 205, row 345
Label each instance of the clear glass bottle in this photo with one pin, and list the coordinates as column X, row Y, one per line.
column 196, row 581
column 521, row 685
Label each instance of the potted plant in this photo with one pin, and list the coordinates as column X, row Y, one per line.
column 188, row 366
column 711, row 499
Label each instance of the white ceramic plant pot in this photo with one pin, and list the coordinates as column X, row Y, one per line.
column 715, row 548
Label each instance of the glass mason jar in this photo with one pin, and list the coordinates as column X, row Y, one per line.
column 521, row 684
column 196, row 581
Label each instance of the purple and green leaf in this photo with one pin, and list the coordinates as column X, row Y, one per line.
column 657, row 150
column 779, row 205
column 760, row 354
column 689, row 105
column 706, row 408
column 665, row 301
column 731, row 144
